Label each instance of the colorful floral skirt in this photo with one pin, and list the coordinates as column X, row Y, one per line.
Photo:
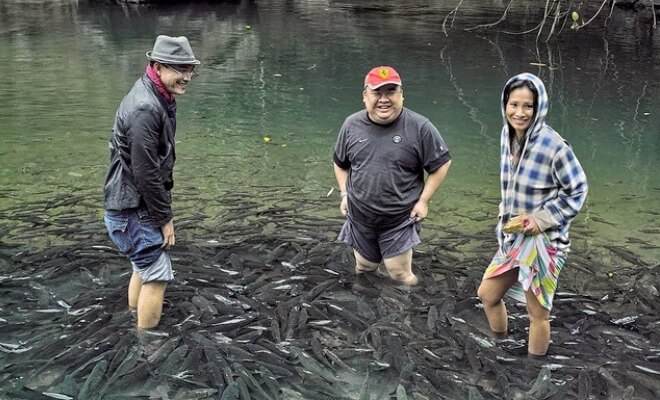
column 538, row 263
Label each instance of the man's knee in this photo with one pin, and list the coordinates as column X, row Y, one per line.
column 407, row 278
column 362, row 264
column 150, row 304
column 148, row 319
column 402, row 272
column 399, row 272
column 153, row 289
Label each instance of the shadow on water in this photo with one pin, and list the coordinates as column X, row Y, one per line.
column 265, row 306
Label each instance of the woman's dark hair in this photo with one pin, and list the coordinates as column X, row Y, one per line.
column 517, row 84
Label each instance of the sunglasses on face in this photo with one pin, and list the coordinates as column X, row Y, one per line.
column 182, row 69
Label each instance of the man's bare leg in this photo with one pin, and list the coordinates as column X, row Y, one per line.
column 150, row 304
column 134, row 287
column 363, row 265
column 400, row 268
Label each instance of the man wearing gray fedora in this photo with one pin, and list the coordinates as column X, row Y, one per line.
column 138, row 184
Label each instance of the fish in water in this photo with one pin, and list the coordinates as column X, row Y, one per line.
column 266, row 305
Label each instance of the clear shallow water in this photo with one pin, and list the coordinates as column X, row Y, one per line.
column 293, row 71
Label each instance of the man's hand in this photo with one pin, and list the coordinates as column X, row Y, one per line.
column 168, row 234
column 420, row 210
column 343, row 207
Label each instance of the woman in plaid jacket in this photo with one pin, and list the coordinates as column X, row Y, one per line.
column 543, row 188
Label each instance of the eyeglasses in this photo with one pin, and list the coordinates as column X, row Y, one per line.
column 389, row 93
column 182, row 69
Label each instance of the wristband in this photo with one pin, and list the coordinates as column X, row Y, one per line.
column 343, row 194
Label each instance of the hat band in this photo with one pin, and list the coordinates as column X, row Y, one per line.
column 173, row 59
column 379, row 84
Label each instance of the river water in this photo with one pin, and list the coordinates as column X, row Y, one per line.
column 291, row 71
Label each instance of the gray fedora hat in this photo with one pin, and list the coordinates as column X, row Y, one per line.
column 172, row 50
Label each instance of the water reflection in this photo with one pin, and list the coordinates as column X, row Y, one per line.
column 283, row 69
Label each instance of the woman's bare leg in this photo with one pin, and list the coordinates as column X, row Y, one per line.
column 490, row 292
column 539, row 326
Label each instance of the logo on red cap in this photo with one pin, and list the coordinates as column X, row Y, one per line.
column 380, row 76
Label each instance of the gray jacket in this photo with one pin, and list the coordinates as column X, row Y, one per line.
column 142, row 153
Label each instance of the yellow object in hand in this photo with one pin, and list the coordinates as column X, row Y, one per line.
column 514, row 225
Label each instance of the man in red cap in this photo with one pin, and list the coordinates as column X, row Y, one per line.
column 379, row 163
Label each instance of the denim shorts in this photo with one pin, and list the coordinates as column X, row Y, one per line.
column 135, row 234
column 376, row 244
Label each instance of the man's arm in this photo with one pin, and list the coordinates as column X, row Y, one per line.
column 144, row 133
column 342, row 176
column 433, row 182
column 147, row 173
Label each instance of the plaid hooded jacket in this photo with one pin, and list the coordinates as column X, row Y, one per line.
column 548, row 183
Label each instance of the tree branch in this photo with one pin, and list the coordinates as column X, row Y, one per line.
column 494, row 23
column 611, row 11
column 454, row 11
column 554, row 22
column 545, row 15
column 594, row 16
column 653, row 12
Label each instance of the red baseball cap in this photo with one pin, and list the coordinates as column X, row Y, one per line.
column 383, row 75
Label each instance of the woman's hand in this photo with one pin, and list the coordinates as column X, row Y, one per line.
column 524, row 223
column 530, row 226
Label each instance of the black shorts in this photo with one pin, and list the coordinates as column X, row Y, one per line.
column 375, row 244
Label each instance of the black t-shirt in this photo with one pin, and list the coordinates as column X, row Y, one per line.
column 386, row 164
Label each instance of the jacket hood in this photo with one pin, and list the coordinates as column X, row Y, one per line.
column 541, row 108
